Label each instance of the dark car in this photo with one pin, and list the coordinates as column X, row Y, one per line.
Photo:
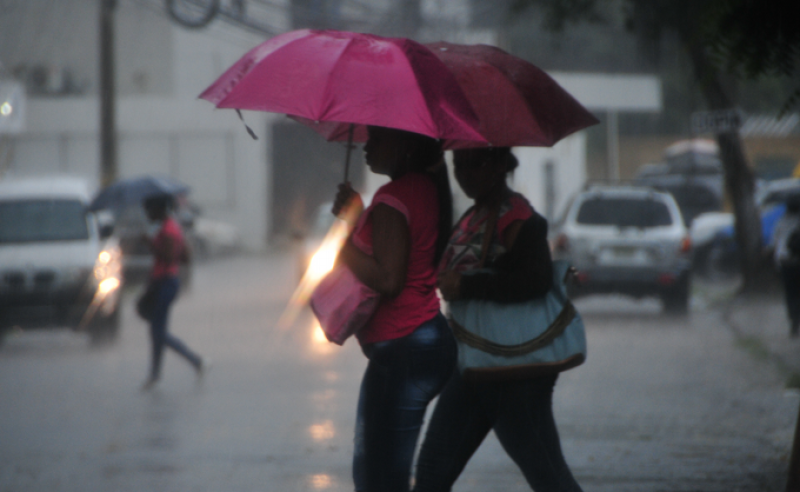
column 694, row 179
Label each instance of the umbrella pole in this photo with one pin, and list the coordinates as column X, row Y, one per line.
column 347, row 155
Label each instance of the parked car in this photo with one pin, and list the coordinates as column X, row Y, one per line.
column 713, row 235
column 56, row 267
column 692, row 173
column 629, row 240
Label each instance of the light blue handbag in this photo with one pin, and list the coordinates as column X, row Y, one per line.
column 520, row 340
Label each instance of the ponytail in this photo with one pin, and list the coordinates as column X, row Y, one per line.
column 426, row 155
column 442, row 181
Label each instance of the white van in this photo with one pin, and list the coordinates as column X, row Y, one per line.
column 56, row 268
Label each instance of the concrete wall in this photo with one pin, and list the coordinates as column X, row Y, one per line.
column 206, row 148
column 550, row 190
column 162, row 127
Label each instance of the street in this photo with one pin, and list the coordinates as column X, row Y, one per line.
column 662, row 404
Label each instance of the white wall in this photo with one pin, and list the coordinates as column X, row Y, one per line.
column 206, row 148
column 569, row 164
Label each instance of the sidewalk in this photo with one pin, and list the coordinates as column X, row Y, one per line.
column 760, row 325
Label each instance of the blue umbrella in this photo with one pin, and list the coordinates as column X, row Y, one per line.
column 128, row 192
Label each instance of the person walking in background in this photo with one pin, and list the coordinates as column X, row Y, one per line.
column 518, row 268
column 410, row 348
column 786, row 253
column 169, row 250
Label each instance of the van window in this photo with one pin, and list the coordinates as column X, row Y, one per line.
column 42, row 220
column 624, row 212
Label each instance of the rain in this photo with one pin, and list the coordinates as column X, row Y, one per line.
column 664, row 157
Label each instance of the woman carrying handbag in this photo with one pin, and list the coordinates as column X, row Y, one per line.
column 395, row 251
column 517, row 267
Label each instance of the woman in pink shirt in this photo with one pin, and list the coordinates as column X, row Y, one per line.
column 168, row 248
column 395, row 249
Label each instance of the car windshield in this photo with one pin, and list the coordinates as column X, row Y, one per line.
column 624, row 212
column 42, row 220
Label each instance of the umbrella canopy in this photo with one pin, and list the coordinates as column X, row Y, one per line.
column 350, row 78
column 129, row 192
column 517, row 103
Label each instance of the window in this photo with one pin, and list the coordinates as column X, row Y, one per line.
column 624, row 212
column 42, row 220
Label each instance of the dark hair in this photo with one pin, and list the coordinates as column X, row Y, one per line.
column 494, row 155
column 426, row 155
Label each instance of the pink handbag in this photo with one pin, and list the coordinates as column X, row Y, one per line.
column 342, row 304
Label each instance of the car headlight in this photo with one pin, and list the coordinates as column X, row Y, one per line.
column 108, row 265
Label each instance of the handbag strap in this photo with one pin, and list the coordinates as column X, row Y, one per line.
column 555, row 329
column 488, row 233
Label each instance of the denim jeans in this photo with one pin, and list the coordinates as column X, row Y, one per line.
column 159, row 335
column 520, row 412
column 402, row 377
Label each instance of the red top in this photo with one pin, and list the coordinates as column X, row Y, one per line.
column 163, row 268
column 415, row 196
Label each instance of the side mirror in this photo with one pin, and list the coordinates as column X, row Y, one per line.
column 105, row 223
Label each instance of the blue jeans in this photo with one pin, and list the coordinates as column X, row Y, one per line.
column 521, row 415
column 402, row 377
column 159, row 335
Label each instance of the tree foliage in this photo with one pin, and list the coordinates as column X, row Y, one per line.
column 750, row 39
column 755, row 38
column 746, row 38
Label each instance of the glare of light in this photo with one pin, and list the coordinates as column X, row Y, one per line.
column 322, row 262
column 104, row 256
column 323, row 258
column 321, row 481
column 107, row 272
column 318, row 336
column 6, row 109
column 319, row 343
column 323, row 431
column 108, row 285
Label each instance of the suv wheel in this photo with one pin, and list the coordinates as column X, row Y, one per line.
column 676, row 299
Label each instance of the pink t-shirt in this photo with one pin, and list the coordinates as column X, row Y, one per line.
column 162, row 268
column 413, row 195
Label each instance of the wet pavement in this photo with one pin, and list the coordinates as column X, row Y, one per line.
column 662, row 404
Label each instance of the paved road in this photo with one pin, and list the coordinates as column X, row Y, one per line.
column 661, row 404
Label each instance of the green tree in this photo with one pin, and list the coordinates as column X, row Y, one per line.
column 720, row 38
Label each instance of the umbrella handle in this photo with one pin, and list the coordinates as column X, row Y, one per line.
column 349, row 148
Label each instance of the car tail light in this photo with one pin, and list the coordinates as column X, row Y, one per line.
column 686, row 245
column 581, row 278
column 561, row 243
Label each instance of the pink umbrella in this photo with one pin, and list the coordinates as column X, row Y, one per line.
column 349, row 78
column 517, row 103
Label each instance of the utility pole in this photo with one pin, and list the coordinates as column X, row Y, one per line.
column 108, row 123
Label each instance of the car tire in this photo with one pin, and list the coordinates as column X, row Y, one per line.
column 676, row 299
column 105, row 330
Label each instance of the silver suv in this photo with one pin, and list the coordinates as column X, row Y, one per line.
column 629, row 240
